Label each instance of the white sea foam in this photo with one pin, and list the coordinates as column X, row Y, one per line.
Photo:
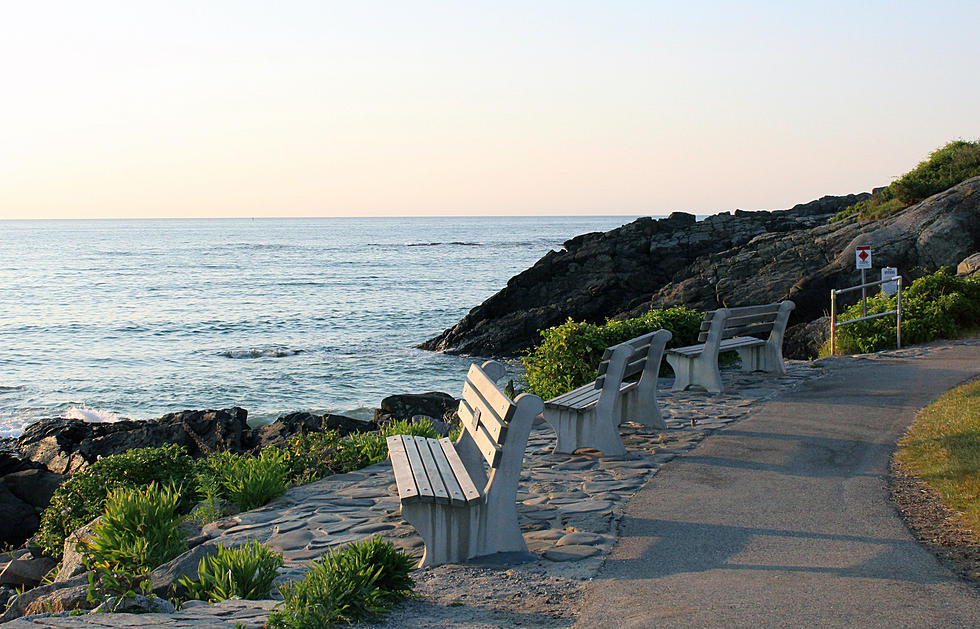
column 98, row 415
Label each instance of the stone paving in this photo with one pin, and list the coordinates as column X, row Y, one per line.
column 569, row 505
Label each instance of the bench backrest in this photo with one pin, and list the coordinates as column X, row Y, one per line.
column 757, row 321
column 636, row 359
column 495, row 432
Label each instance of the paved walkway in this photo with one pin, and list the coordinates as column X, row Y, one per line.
column 784, row 520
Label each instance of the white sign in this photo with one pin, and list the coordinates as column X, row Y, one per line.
column 862, row 257
column 888, row 273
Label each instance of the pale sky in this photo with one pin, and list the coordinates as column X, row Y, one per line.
column 361, row 108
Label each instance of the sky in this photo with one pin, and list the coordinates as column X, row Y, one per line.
column 317, row 108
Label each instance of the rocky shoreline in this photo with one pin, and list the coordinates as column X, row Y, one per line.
column 34, row 464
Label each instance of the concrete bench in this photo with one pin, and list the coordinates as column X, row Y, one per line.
column 462, row 496
column 589, row 416
column 732, row 329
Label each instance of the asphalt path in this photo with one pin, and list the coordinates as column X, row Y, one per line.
column 785, row 519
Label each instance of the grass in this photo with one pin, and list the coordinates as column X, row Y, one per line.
column 942, row 448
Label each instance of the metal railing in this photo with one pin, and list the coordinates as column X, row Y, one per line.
column 897, row 312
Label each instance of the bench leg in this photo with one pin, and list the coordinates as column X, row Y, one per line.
column 698, row 371
column 642, row 409
column 584, row 430
column 762, row 358
column 451, row 534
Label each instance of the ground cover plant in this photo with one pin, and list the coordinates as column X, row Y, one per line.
column 946, row 167
column 244, row 572
column 361, row 582
column 138, row 532
column 82, row 497
column 942, row 448
column 569, row 354
column 935, row 306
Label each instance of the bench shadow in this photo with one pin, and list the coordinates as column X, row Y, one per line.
column 691, row 547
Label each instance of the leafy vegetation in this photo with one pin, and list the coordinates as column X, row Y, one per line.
column 946, row 167
column 935, row 306
column 138, row 532
column 942, row 448
column 246, row 480
column 361, row 582
column 82, row 498
column 569, row 354
column 244, row 572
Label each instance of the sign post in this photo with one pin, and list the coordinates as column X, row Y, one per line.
column 862, row 260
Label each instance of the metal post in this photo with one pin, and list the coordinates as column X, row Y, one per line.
column 864, row 296
column 833, row 318
column 898, row 315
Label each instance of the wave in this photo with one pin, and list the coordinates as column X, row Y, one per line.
column 260, row 353
column 455, row 243
column 96, row 415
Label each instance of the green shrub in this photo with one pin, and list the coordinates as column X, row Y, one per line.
column 946, row 167
column 935, row 306
column 359, row 450
column 309, row 456
column 247, row 481
column 244, row 572
column 138, row 532
column 82, row 497
column 569, row 354
column 361, row 582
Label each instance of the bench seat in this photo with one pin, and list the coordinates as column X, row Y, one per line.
column 589, row 416
column 462, row 496
column 728, row 329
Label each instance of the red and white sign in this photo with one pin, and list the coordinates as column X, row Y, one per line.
column 862, row 257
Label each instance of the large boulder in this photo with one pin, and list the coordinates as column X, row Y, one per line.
column 434, row 404
column 25, row 569
column 73, row 590
column 72, row 560
column 969, row 266
column 280, row 431
column 33, row 486
column 734, row 259
column 65, row 446
column 18, row 519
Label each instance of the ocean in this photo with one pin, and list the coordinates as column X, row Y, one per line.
column 111, row 319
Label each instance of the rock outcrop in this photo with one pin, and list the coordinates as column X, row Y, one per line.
column 725, row 260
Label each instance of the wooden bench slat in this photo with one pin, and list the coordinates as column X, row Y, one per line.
column 739, row 341
column 472, row 422
column 470, row 492
column 407, row 490
column 431, row 470
column 575, row 395
column 748, row 330
column 767, row 317
column 418, row 470
column 453, row 489
column 495, row 423
column 747, row 311
column 494, row 399
column 489, row 421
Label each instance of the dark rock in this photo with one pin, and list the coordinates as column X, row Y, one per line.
column 25, row 570
column 20, row 604
column 803, row 341
column 18, row 519
column 137, row 604
column 434, row 404
column 35, row 486
column 65, row 446
column 287, row 426
column 724, row 260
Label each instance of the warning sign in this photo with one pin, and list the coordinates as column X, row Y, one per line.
column 862, row 257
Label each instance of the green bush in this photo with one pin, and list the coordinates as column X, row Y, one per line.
column 138, row 532
column 82, row 497
column 569, row 354
column 362, row 449
column 946, row 167
column 309, row 456
column 244, row 572
column 935, row 306
column 246, row 480
column 361, row 582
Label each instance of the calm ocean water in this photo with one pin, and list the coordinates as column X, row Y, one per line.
column 137, row 318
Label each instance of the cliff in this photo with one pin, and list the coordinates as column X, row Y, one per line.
column 725, row 260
